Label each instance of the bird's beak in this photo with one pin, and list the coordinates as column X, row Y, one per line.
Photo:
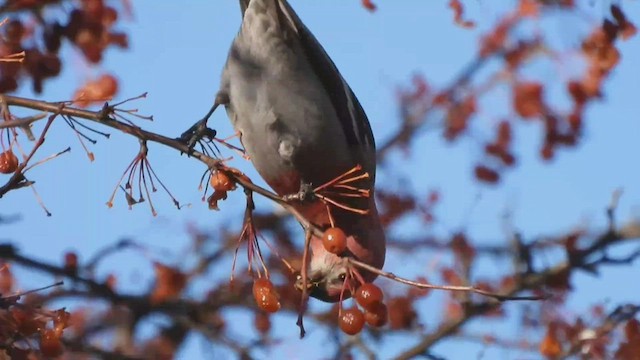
column 300, row 283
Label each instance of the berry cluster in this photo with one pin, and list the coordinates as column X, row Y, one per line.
column 370, row 298
column 30, row 323
column 88, row 27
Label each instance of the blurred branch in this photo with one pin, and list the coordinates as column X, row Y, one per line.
column 617, row 317
column 531, row 281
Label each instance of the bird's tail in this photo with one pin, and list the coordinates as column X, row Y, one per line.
column 275, row 4
column 244, row 4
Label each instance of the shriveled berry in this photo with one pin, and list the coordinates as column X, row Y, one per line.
column 221, row 181
column 377, row 316
column 334, row 240
column 8, row 162
column 351, row 321
column 368, row 295
column 265, row 295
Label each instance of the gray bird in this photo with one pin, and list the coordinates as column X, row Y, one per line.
column 300, row 122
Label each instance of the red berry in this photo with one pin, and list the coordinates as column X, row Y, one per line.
column 377, row 316
column 334, row 240
column 221, row 182
column 351, row 321
column 50, row 344
column 368, row 295
column 8, row 162
column 265, row 295
column 262, row 323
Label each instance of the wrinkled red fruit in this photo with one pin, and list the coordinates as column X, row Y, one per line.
column 8, row 162
column 221, row 182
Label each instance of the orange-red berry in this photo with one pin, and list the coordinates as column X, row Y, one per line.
column 221, row 181
column 8, row 162
column 50, row 344
column 377, row 316
column 368, row 295
column 265, row 295
column 334, row 240
column 351, row 321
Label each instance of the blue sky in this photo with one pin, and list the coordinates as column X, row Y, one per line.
column 177, row 52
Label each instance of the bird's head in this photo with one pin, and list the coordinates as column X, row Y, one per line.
column 327, row 280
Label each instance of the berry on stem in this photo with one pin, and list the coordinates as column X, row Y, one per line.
column 351, row 321
column 334, row 240
column 8, row 162
column 265, row 295
column 377, row 316
column 221, row 182
column 369, row 295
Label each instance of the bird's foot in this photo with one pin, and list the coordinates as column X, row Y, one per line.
column 197, row 132
column 306, row 193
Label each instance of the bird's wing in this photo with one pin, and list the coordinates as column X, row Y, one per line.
column 355, row 123
column 244, row 4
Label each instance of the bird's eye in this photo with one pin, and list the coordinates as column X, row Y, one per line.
column 342, row 276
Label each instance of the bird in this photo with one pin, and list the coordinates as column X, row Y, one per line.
column 301, row 123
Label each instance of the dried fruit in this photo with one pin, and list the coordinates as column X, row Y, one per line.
column 221, row 181
column 8, row 162
column 334, row 240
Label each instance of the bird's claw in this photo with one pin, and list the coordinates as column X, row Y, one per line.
column 306, row 193
column 197, row 132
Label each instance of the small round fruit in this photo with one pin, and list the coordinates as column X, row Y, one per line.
column 351, row 321
column 221, row 181
column 8, row 162
column 368, row 295
column 265, row 295
column 378, row 316
column 50, row 344
column 334, row 240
